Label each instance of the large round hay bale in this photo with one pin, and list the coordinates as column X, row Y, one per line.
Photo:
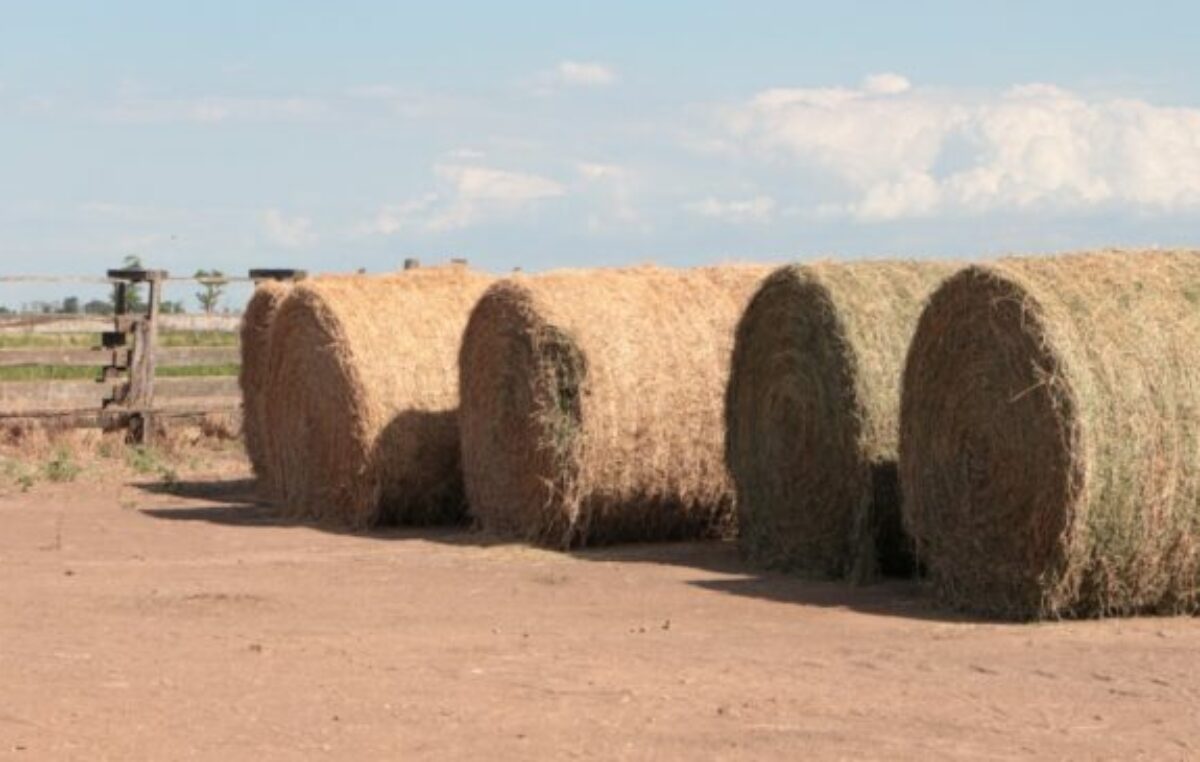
column 591, row 407
column 1050, row 436
column 364, row 396
column 252, row 376
column 812, row 415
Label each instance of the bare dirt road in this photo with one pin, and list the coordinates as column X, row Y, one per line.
column 141, row 625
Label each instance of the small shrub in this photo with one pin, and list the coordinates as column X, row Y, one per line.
column 62, row 467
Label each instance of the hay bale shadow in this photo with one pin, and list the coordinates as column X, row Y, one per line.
column 902, row 598
column 718, row 563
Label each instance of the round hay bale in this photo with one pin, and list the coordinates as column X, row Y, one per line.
column 812, row 415
column 591, row 408
column 252, row 376
column 1050, row 436
column 364, row 397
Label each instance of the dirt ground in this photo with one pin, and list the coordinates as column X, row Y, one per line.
column 138, row 623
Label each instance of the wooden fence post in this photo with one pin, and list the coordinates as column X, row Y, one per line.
column 136, row 396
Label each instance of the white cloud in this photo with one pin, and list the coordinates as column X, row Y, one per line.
column 886, row 84
column 288, row 232
column 484, row 192
column 476, row 183
column 597, row 171
column 611, row 190
column 394, row 218
column 583, row 74
column 739, row 212
column 467, row 154
column 572, row 74
column 901, row 151
column 470, row 194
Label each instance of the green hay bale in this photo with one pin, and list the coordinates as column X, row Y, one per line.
column 812, row 415
column 1050, row 436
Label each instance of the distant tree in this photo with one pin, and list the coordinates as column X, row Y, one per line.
column 98, row 307
column 211, row 291
column 172, row 308
column 5, row 310
column 133, row 294
column 70, row 305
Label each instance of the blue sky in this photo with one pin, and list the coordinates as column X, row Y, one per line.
column 335, row 136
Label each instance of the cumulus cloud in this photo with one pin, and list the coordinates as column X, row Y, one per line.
column 288, row 232
column 469, row 194
column 583, row 74
column 394, row 218
column 610, row 190
column 480, row 192
column 904, row 151
column 739, row 212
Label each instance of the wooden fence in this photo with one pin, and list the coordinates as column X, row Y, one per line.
column 129, row 387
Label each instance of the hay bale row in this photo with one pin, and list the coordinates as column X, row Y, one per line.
column 1045, row 430
column 363, row 389
column 1050, row 436
column 252, row 376
column 592, row 403
column 812, row 416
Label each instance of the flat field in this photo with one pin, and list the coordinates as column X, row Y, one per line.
column 180, row 620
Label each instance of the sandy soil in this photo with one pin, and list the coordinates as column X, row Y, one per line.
column 141, row 625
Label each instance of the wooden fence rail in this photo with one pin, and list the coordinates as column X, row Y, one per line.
column 168, row 357
column 20, row 398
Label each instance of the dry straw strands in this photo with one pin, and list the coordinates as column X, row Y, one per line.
column 591, row 407
column 363, row 396
column 252, row 376
column 812, row 415
column 1050, row 437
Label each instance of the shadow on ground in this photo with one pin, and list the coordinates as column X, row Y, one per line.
column 236, row 503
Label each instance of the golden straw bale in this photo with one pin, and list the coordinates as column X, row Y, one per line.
column 363, row 397
column 252, row 376
column 591, row 407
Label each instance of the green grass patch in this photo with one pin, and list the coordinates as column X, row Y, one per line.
column 148, row 461
column 197, row 339
column 191, row 371
column 61, row 468
column 49, row 340
column 91, row 373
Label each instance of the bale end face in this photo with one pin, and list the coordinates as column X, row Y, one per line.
column 812, row 416
column 364, row 397
column 255, row 333
column 522, row 384
column 987, row 450
column 792, row 428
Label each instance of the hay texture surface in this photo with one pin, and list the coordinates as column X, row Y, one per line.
column 363, row 396
column 1050, row 437
column 252, row 376
column 812, row 415
column 592, row 400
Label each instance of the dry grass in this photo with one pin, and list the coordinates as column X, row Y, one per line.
column 1050, row 437
column 36, row 451
column 812, row 415
column 591, row 406
column 255, row 343
column 363, row 394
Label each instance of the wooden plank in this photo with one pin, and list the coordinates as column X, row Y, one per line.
column 16, row 396
column 170, row 357
column 80, row 418
column 95, row 323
